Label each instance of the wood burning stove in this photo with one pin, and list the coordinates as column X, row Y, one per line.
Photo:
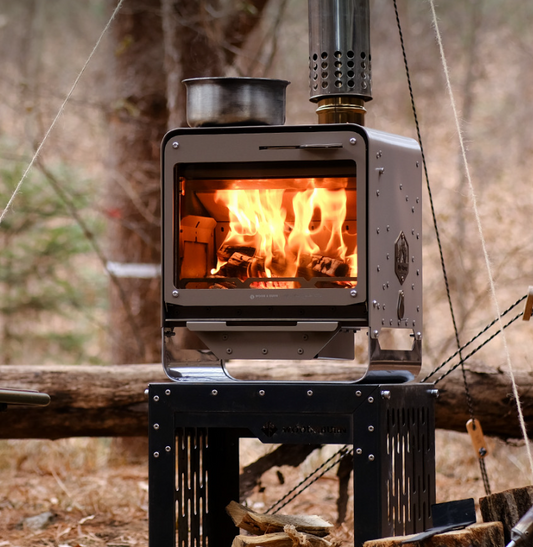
column 282, row 242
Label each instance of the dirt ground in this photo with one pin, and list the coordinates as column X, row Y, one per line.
column 79, row 493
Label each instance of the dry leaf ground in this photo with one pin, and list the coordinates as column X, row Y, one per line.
column 100, row 500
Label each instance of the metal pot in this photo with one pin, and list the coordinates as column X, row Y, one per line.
column 235, row 101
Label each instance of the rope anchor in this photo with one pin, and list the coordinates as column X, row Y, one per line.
column 529, row 304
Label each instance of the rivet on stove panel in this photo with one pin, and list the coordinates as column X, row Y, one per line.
column 229, row 351
column 264, row 351
column 406, row 198
column 156, row 398
column 379, row 154
column 175, row 294
column 358, row 393
column 383, row 307
column 167, row 391
column 412, row 209
column 374, row 303
column 418, row 308
column 390, row 322
column 156, row 426
column 378, row 269
column 224, row 337
column 380, row 170
column 377, row 230
column 370, row 428
column 309, row 393
column 358, row 451
column 401, row 186
column 417, row 236
column 413, row 232
column 417, row 272
column 168, row 448
column 261, row 392
column 377, row 192
column 388, row 256
column 353, row 293
column 418, row 336
column 413, row 286
column 388, row 228
column 353, row 140
column 384, row 286
column 383, row 322
column 175, row 144
column 371, row 457
column 414, row 323
column 385, row 394
column 305, row 337
column 371, row 400
column 300, row 351
column 412, row 259
column 417, row 164
column 418, row 200
column 156, row 454
column 375, row 334
column 214, row 392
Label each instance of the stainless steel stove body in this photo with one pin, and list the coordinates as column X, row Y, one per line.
column 281, row 242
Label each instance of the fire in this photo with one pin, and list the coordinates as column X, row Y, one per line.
column 287, row 233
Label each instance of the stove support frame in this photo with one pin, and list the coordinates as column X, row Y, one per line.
column 194, row 451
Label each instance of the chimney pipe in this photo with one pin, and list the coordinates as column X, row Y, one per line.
column 339, row 59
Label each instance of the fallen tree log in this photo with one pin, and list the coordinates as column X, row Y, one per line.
column 86, row 400
column 109, row 401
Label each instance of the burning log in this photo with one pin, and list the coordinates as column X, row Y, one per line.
column 238, row 265
column 322, row 266
column 259, row 524
column 330, row 267
column 226, row 251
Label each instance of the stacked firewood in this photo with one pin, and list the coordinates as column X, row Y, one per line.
column 278, row 530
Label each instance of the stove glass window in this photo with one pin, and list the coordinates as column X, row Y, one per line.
column 266, row 226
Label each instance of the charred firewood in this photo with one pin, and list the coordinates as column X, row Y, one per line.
column 226, row 251
column 329, row 266
column 322, row 266
column 238, row 265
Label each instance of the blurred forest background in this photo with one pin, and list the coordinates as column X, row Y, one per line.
column 55, row 304
column 92, row 196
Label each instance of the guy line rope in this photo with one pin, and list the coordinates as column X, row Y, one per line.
column 59, row 112
column 481, row 235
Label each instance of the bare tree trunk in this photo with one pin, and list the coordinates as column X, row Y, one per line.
column 192, row 46
column 202, row 39
column 138, row 123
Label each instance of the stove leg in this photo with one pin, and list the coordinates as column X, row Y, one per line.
column 223, row 484
column 161, row 477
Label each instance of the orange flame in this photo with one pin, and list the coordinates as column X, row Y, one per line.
column 291, row 231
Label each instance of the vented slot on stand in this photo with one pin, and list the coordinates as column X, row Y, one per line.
column 408, row 445
column 191, row 487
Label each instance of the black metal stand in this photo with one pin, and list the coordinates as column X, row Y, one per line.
column 194, row 451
